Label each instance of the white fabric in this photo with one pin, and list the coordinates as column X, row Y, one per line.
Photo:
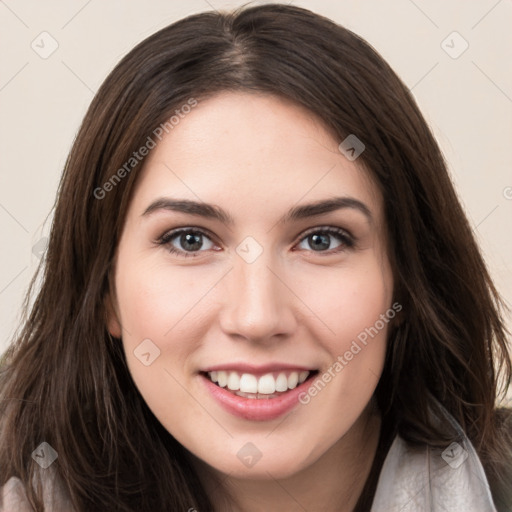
column 14, row 499
column 416, row 479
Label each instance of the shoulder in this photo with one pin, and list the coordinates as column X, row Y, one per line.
column 13, row 497
column 425, row 478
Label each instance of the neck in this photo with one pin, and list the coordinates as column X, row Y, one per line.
column 334, row 482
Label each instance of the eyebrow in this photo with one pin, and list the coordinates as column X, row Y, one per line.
column 210, row 211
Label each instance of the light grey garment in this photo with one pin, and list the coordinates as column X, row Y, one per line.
column 412, row 479
column 423, row 479
column 56, row 499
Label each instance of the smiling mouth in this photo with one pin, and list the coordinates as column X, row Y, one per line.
column 269, row 385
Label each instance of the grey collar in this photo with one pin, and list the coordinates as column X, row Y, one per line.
column 422, row 478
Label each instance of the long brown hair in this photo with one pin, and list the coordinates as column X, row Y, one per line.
column 65, row 380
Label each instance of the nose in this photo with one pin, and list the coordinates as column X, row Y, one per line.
column 258, row 304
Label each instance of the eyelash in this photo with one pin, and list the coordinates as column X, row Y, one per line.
column 347, row 241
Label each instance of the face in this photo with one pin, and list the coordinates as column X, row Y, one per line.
column 285, row 307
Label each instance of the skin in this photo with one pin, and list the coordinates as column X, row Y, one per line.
column 256, row 156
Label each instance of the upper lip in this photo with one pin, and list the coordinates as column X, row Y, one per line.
column 257, row 369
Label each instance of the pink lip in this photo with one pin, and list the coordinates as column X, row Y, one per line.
column 252, row 408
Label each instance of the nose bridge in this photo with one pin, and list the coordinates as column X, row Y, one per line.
column 258, row 305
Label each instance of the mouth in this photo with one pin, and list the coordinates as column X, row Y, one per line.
column 257, row 393
column 257, row 386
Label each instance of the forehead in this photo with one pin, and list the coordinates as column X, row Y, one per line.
column 253, row 151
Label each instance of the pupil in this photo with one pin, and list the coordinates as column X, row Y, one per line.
column 319, row 241
column 192, row 242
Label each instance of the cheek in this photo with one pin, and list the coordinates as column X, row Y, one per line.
column 155, row 301
column 157, row 312
column 349, row 304
column 156, row 308
column 355, row 309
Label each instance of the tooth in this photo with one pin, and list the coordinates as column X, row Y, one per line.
column 303, row 376
column 267, row 384
column 234, row 381
column 223, row 378
column 293, row 379
column 281, row 382
column 248, row 383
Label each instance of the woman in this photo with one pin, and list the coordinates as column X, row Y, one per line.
column 260, row 293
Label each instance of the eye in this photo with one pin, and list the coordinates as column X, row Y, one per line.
column 186, row 242
column 321, row 240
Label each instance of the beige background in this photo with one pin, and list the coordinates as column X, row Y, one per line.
column 467, row 100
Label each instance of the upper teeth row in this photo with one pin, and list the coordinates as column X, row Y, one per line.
column 266, row 384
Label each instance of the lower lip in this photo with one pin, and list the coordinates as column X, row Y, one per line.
column 256, row 409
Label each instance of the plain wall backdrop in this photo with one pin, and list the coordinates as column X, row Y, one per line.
column 454, row 55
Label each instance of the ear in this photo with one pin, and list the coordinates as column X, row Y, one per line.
column 113, row 323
